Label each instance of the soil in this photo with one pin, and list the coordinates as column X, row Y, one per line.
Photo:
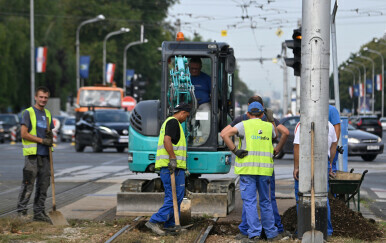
column 346, row 222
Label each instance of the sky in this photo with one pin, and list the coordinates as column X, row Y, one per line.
column 252, row 28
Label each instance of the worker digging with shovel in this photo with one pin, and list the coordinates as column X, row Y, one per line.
column 171, row 162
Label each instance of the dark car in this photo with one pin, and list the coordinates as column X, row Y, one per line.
column 1, row 133
column 102, row 129
column 369, row 124
column 363, row 144
column 290, row 123
column 10, row 122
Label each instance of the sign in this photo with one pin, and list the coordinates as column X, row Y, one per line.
column 41, row 59
column 129, row 76
column 84, row 64
column 56, row 123
column 129, row 103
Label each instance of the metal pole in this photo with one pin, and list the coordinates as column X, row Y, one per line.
column 359, row 82
column 364, row 81
column 353, row 85
column 297, row 95
column 335, row 59
column 122, row 30
column 285, row 80
column 314, row 108
column 125, row 60
column 383, row 78
column 372, row 79
column 32, row 40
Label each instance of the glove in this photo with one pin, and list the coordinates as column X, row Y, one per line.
column 48, row 142
column 172, row 165
column 49, row 135
column 241, row 153
column 340, row 149
column 269, row 114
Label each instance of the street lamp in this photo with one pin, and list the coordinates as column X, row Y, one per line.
column 353, row 85
column 359, row 81
column 98, row 18
column 372, row 79
column 125, row 59
column 364, row 79
column 121, row 31
column 383, row 78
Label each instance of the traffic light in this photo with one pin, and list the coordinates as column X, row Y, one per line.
column 296, row 45
column 138, row 87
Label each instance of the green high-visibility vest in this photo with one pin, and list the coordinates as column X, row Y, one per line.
column 162, row 159
column 258, row 142
column 29, row 147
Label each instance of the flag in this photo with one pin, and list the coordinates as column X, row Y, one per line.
column 110, row 69
column 41, row 58
column 361, row 90
column 356, row 90
column 350, row 91
column 84, row 64
column 378, row 82
column 369, row 86
column 129, row 76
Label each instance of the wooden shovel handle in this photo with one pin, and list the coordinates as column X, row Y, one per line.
column 312, row 177
column 174, row 193
column 52, row 171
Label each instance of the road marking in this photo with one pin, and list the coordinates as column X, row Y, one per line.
column 92, row 173
column 113, row 161
column 381, row 193
column 72, row 169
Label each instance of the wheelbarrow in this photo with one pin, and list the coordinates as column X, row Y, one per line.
column 346, row 185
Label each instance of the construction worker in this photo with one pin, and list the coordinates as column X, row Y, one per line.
column 332, row 143
column 254, row 164
column 36, row 142
column 284, row 134
column 334, row 118
column 171, row 158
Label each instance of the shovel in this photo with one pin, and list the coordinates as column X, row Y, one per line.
column 56, row 217
column 313, row 235
column 177, row 227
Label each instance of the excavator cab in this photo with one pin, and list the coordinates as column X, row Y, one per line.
column 207, row 152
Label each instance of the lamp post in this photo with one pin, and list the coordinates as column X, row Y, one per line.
column 372, row 80
column 359, row 81
column 121, row 31
column 364, row 79
column 98, row 18
column 383, row 78
column 353, row 85
column 125, row 59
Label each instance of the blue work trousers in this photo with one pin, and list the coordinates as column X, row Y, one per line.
column 334, row 169
column 166, row 214
column 250, row 224
column 276, row 214
column 329, row 225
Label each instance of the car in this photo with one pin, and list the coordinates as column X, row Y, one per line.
column 369, row 124
column 1, row 133
column 101, row 129
column 383, row 122
column 288, row 148
column 364, row 144
column 61, row 120
column 10, row 122
column 68, row 129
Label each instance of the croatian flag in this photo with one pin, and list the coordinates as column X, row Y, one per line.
column 350, row 91
column 361, row 89
column 378, row 82
column 110, row 69
column 41, row 59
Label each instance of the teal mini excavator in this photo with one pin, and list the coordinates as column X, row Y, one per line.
column 207, row 152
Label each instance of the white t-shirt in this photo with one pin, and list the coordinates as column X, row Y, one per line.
column 331, row 135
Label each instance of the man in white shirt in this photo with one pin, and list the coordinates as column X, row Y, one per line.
column 332, row 139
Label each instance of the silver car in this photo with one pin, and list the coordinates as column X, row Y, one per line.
column 383, row 122
column 68, row 129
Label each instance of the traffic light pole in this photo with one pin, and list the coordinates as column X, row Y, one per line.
column 315, row 59
column 285, row 80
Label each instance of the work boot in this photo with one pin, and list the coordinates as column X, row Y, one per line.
column 22, row 213
column 251, row 240
column 276, row 238
column 42, row 217
column 240, row 236
column 285, row 233
column 155, row 228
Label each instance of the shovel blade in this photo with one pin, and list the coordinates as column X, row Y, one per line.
column 57, row 218
column 313, row 236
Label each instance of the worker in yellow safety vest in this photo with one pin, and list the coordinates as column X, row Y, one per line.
column 254, row 164
column 36, row 142
column 171, row 158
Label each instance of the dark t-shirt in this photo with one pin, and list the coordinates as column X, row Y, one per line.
column 172, row 129
column 41, row 127
column 202, row 87
column 244, row 117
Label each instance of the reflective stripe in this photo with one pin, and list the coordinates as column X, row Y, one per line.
column 174, row 147
column 167, row 157
column 33, row 145
column 254, row 164
column 259, row 153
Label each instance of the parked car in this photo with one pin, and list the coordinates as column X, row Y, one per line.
column 10, row 121
column 364, row 144
column 360, row 143
column 61, row 121
column 1, row 133
column 369, row 124
column 383, row 122
column 68, row 129
column 102, row 129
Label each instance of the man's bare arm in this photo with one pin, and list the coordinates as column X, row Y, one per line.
column 296, row 162
column 27, row 136
column 284, row 135
column 169, row 146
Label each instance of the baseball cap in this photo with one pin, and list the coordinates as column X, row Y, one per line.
column 182, row 107
column 255, row 107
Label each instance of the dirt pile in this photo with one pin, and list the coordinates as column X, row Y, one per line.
column 346, row 223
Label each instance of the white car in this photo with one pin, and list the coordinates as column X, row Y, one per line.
column 383, row 122
column 68, row 129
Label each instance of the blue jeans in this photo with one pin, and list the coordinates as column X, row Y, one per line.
column 276, row 214
column 329, row 225
column 166, row 213
column 250, row 224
